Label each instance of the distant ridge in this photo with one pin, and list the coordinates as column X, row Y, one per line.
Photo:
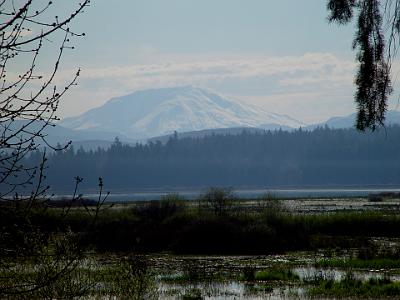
column 60, row 135
column 156, row 112
column 203, row 133
column 392, row 118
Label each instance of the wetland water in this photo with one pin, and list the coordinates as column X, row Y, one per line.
column 331, row 263
column 221, row 277
column 244, row 193
column 293, row 275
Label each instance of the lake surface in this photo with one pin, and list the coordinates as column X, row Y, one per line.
column 243, row 193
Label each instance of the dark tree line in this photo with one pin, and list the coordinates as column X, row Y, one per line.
column 301, row 158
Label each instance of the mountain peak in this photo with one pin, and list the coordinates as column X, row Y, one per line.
column 155, row 112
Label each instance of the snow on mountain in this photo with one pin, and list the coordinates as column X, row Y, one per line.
column 157, row 112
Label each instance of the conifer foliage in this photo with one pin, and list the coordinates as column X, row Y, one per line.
column 376, row 38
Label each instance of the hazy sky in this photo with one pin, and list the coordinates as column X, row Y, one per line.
column 282, row 55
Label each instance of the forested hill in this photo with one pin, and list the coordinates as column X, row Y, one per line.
column 272, row 159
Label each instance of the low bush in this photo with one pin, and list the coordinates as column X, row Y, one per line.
column 175, row 225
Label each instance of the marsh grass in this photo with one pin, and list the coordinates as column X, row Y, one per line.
column 372, row 255
column 193, row 294
column 129, row 278
column 174, row 226
column 183, row 227
column 377, row 263
column 174, row 278
column 126, row 278
column 258, row 287
column 277, row 275
column 376, row 288
column 274, row 274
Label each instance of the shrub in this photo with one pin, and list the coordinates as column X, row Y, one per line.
column 220, row 200
column 168, row 206
column 270, row 204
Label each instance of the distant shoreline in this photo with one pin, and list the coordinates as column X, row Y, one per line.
column 241, row 193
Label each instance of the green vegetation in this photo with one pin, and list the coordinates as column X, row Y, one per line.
column 196, row 227
column 217, row 224
column 273, row 274
column 174, row 278
column 129, row 278
column 351, row 287
column 259, row 287
column 219, row 200
column 277, row 274
column 378, row 263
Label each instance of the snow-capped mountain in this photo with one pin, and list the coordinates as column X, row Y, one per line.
column 157, row 112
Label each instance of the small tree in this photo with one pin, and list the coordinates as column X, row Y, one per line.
column 28, row 98
column 219, row 199
column 28, row 103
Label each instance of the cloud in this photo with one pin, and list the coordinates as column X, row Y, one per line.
column 311, row 70
column 26, row 32
column 318, row 65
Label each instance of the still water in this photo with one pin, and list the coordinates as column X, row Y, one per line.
column 242, row 193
